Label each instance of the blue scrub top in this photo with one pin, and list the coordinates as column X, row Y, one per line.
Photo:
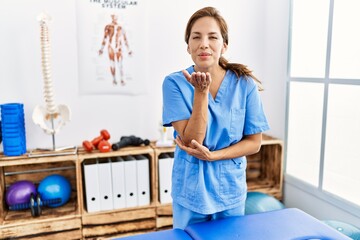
column 208, row 187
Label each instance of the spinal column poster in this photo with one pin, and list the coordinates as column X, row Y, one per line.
column 112, row 46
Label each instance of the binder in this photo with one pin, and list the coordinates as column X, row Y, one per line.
column 166, row 162
column 143, row 179
column 91, row 177
column 130, row 181
column 118, row 182
column 105, row 184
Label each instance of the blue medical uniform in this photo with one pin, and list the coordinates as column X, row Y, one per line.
column 203, row 186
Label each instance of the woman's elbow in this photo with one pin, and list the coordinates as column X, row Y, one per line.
column 188, row 141
column 257, row 147
column 255, row 142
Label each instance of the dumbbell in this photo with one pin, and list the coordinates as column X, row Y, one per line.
column 104, row 146
column 99, row 142
column 129, row 141
column 35, row 204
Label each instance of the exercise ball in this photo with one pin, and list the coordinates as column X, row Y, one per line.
column 257, row 202
column 20, row 192
column 345, row 228
column 55, row 187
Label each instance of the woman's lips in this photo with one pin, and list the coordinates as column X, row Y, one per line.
column 204, row 54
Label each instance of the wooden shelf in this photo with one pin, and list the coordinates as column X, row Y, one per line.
column 72, row 221
column 62, row 222
column 123, row 221
column 164, row 216
column 119, row 222
column 25, row 159
column 264, row 171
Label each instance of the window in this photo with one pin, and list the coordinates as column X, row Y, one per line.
column 323, row 103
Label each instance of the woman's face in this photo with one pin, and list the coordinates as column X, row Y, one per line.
column 206, row 44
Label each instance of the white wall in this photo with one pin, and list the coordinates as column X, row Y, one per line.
column 276, row 50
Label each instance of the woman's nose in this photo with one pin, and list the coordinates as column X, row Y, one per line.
column 204, row 43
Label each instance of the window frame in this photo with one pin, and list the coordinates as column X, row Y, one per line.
column 318, row 191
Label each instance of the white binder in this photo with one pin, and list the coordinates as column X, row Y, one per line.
column 105, row 184
column 130, row 181
column 118, row 182
column 143, row 180
column 166, row 162
column 91, row 185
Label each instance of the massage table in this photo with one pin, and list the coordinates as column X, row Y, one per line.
column 284, row 224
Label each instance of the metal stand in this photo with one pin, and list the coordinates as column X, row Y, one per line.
column 43, row 152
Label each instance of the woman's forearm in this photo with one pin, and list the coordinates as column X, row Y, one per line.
column 248, row 145
column 196, row 125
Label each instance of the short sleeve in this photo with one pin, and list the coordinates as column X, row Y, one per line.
column 255, row 119
column 177, row 99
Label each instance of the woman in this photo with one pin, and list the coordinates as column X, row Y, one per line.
column 215, row 109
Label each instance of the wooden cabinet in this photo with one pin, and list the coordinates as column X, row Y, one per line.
column 265, row 169
column 163, row 211
column 122, row 221
column 73, row 221
column 54, row 223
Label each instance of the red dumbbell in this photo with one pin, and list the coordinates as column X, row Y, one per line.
column 89, row 146
column 104, row 146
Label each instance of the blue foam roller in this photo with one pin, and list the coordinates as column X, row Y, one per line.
column 13, row 129
column 0, row 133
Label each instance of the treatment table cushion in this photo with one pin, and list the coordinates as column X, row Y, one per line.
column 284, row 224
column 173, row 234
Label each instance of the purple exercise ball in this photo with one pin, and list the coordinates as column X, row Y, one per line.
column 20, row 192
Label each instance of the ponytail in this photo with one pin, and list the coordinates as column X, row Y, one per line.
column 240, row 70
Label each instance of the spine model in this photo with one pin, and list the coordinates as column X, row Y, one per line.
column 46, row 66
column 45, row 116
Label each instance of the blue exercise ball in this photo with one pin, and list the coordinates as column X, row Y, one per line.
column 345, row 228
column 257, row 202
column 55, row 187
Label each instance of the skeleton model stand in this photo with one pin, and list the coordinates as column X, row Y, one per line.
column 52, row 117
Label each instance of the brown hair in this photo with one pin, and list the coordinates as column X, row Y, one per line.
column 237, row 68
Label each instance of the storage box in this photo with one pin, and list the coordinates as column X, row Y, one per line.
column 62, row 222
column 265, row 169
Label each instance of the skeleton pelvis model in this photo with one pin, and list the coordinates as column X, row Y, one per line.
column 50, row 118
column 51, row 123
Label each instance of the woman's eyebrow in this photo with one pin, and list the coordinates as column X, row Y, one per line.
column 210, row 33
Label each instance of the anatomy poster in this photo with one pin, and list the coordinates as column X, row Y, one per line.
column 112, row 46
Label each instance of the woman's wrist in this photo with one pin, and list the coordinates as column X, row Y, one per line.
column 214, row 156
column 204, row 92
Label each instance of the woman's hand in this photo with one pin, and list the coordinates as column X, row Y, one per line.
column 199, row 80
column 197, row 150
